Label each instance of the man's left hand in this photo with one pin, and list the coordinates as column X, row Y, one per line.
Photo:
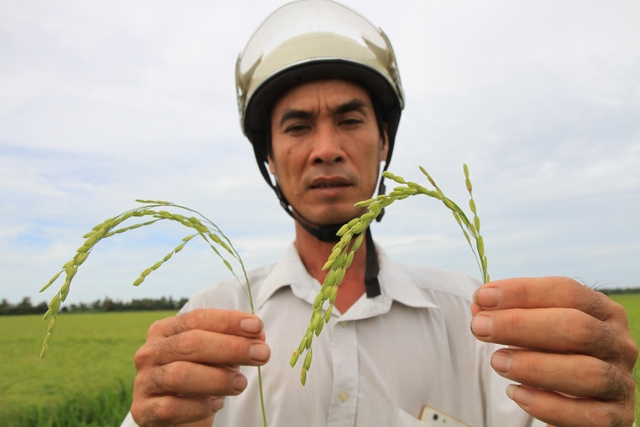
column 569, row 348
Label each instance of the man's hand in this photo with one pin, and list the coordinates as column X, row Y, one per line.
column 569, row 347
column 190, row 362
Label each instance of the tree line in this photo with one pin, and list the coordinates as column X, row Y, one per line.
column 146, row 304
column 620, row 291
column 99, row 306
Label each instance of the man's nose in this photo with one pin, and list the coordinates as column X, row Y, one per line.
column 327, row 146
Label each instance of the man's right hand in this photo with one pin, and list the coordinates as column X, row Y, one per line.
column 190, row 362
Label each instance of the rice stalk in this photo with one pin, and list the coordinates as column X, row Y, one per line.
column 152, row 212
column 343, row 252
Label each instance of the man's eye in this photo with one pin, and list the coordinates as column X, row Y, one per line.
column 351, row 121
column 296, row 128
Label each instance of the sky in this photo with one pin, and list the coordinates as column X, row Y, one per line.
column 102, row 103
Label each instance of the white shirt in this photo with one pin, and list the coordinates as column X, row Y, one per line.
column 378, row 364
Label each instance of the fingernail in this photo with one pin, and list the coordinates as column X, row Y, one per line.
column 239, row 382
column 259, row 352
column 216, row 404
column 251, row 325
column 519, row 394
column 501, row 361
column 488, row 297
column 482, row 325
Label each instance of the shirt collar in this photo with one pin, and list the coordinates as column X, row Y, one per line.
column 395, row 284
column 290, row 271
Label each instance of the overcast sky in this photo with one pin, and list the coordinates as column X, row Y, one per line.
column 105, row 102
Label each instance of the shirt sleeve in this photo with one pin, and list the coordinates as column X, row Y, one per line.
column 128, row 421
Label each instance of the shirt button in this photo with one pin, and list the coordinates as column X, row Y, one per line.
column 343, row 396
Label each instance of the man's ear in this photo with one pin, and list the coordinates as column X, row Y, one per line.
column 385, row 144
column 272, row 165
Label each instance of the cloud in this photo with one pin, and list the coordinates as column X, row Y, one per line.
column 102, row 103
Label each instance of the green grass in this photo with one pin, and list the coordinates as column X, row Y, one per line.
column 85, row 380
column 94, row 409
column 89, row 365
column 631, row 303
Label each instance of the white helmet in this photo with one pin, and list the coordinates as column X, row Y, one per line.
column 310, row 40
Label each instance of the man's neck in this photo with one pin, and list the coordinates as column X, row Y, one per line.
column 314, row 255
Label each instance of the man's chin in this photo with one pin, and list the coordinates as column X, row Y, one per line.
column 332, row 216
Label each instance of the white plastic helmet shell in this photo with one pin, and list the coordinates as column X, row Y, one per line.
column 311, row 40
column 304, row 36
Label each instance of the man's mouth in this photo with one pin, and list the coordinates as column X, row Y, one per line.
column 329, row 185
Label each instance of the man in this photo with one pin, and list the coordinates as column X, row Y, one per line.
column 320, row 100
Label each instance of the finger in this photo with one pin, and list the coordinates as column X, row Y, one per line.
column 550, row 329
column 172, row 410
column 608, row 333
column 576, row 375
column 231, row 322
column 209, row 348
column 191, row 379
column 547, row 292
column 563, row 411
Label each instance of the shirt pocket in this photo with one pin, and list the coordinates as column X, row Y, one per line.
column 403, row 419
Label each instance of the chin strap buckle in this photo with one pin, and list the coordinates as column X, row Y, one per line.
column 371, row 284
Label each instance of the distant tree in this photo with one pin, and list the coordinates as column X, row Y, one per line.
column 107, row 305
column 41, row 308
column 25, row 303
column 5, row 306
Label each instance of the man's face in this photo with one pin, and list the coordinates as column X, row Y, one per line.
column 326, row 149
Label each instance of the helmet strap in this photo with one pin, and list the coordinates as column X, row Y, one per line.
column 328, row 233
column 371, row 284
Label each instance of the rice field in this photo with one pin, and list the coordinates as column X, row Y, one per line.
column 85, row 380
column 86, row 375
column 631, row 303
